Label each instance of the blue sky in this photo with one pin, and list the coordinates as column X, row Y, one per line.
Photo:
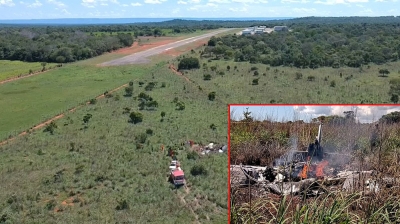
column 365, row 114
column 44, row 9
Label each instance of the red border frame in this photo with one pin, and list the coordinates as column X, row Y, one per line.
column 229, row 137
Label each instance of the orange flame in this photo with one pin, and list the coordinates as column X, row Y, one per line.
column 303, row 173
column 320, row 169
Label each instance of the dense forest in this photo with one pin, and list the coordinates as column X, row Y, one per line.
column 313, row 45
column 313, row 42
column 63, row 44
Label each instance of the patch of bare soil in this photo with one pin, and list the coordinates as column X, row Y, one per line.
column 178, row 73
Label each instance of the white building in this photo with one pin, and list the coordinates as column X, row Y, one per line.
column 280, row 28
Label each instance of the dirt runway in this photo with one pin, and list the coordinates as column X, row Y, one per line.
column 142, row 57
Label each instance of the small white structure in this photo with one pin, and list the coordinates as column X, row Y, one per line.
column 247, row 32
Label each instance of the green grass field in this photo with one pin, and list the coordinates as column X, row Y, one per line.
column 103, row 166
column 281, row 85
column 27, row 102
column 10, row 69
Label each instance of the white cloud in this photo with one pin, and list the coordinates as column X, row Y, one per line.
column 6, row 3
column 365, row 114
column 295, row 1
column 65, row 12
column 204, row 8
column 220, row 1
column 57, row 3
column 176, row 11
column 104, row 4
column 125, row 5
column 182, row 2
column 250, row 1
column 154, row 1
column 195, row 1
column 244, row 9
column 136, row 4
column 304, row 10
column 32, row 5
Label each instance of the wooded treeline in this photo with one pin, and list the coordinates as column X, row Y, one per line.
column 315, row 41
column 313, row 45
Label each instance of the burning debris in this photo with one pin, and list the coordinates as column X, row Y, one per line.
column 311, row 173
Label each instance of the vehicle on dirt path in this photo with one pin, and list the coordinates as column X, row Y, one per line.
column 177, row 177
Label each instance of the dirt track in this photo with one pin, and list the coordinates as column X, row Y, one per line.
column 142, row 57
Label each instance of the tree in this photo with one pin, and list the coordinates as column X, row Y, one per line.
column 247, row 116
column 393, row 117
column 136, row 117
column 86, row 119
column 189, row 63
column 394, row 98
column 211, row 96
column 384, row 72
column 162, row 114
column 206, row 77
column 50, row 127
column 228, row 67
column 129, row 91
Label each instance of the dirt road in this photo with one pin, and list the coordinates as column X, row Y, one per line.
column 142, row 57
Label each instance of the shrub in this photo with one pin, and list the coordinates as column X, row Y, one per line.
column 213, row 127
column 141, row 138
column 256, row 73
column 254, row 68
column 93, row 101
column 141, row 83
column 163, row 85
column 149, row 131
column 122, row 205
column 50, row 127
column 228, row 67
column 333, row 83
column 299, row 75
column 211, row 96
column 117, row 97
column 189, row 63
column 180, row 105
column 162, row 114
column 311, row 78
column 129, row 91
column 255, row 82
column 130, row 83
column 136, row 117
column 150, row 86
column 206, row 77
column 198, row 170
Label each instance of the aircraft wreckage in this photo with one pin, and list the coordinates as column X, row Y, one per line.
column 307, row 172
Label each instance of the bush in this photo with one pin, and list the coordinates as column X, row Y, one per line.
column 189, row 63
column 50, row 127
column 180, row 105
column 256, row 73
column 149, row 131
column 136, row 117
column 141, row 138
column 93, row 101
column 207, row 77
column 150, row 86
column 129, row 91
column 299, row 75
column 213, row 127
column 211, row 96
column 122, row 205
column 255, row 82
column 333, row 83
column 198, row 170
column 311, row 78
column 163, row 85
column 253, row 68
column 130, row 83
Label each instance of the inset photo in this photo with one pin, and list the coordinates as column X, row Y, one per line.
column 314, row 163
